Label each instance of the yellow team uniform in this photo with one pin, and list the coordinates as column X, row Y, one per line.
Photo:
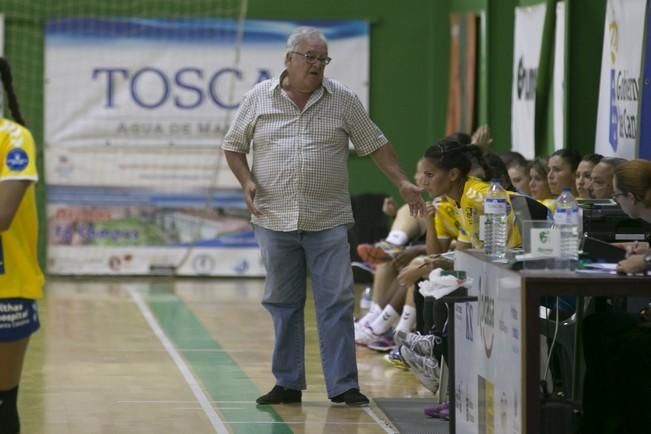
column 20, row 274
column 550, row 204
column 472, row 206
column 447, row 222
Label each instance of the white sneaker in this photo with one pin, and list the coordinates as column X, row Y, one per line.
column 364, row 335
column 426, row 369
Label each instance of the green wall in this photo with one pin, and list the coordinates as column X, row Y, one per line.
column 409, row 63
column 586, row 24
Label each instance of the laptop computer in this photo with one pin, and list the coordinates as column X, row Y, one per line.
column 527, row 208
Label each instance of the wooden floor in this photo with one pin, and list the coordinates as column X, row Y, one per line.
column 178, row 356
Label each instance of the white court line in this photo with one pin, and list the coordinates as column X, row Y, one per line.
column 214, row 419
column 177, row 402
column 383, row 424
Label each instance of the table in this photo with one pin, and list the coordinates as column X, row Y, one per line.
column 497, row 348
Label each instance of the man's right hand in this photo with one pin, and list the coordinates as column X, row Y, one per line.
column 249, row 198
column 411, row 194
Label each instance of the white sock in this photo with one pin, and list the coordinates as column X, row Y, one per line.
column 398, row 238
column 407, row 319
column 385, row 320
column 372, row 313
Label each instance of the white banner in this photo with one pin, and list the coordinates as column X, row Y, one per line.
column 144, row 97
column 529, row 23
column 161, row 82
column 619, row 87
column 559, row 77
column 135, row 110
column 141, row 231
column 155, row 261
column 488, row 350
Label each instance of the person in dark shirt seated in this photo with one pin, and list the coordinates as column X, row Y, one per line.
column 617, row 345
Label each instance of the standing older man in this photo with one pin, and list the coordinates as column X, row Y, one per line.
column 601, row 186
column 298, row 126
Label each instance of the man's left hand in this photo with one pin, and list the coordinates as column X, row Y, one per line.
column 411, row 194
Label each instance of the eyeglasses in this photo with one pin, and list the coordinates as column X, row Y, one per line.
column 313, row 58
column 616, row 195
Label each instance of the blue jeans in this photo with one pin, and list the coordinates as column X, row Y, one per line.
column 287, row 256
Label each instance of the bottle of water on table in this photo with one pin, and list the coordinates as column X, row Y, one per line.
column 495, row 223
column 566, row 220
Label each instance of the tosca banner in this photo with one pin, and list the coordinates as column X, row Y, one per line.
column 152, row 99
column 171, row 82
column 135, row 112
column 529, row 23
column 619, row 87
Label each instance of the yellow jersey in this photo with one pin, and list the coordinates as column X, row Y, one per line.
column 447, row 222
column 472, row 207
column 549, row 203
column 20, row 274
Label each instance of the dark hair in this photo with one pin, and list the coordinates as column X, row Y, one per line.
column 635, row 177
column 513, row 159
column 450, row 153
column 495, row 168
column 8, row 82
column 460, row 137
column 570, row 156
column 592, row 158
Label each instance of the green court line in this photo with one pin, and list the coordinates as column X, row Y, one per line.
column 220, row 375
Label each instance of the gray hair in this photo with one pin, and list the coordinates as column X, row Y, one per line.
column 613, row 161
column 301, row 34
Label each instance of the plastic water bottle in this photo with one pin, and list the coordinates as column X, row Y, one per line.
column 366, row 300
column 566, row 220
column 495, row 214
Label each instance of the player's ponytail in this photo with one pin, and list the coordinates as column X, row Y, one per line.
column 8, row 83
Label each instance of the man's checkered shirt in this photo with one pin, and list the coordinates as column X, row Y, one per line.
column 300, row 158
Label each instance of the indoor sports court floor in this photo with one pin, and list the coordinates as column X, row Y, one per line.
column 179, row 356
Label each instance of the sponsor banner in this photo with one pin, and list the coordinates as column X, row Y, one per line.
column 135, row 110
column 488, row 338
column 463, row 55
column 559, row 77
column 198, row 261
column 171, row 81
column 619, row 87
column 168, row 169
column 645, row 112
column 529, row 23
column 137, row 231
